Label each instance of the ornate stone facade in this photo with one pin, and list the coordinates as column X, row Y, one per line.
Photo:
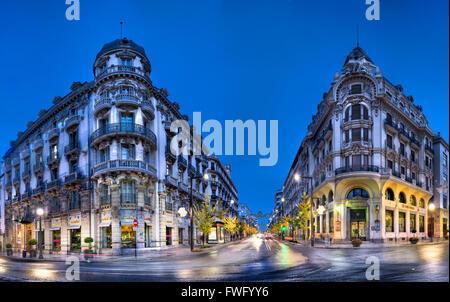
column 368, row 152
column 98, row 159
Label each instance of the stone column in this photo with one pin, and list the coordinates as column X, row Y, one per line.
column 162, row 219
column 115, row 219
column 321, row 224
column 140, row 240
column 396, row 223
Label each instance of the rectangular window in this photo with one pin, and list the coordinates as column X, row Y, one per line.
column 169, row 202
column 127, row 192
column 401, row 221
column 412, row 223
column 180, row 175
column 421, row 223
column 356, row 112
column 390, row 164
column 127, row 151
column 389, row 141
column 402, row 149
column 356, row 135
column 365, row 134
column 356, row 89
column 356, row 161
column 444, row 201
column 444, row 159
column 413, row 156
column 104, row 195
column 347, row 136
column 74, row 201
column 389, row 221
column 402, row 170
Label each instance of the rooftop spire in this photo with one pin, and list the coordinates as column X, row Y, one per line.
column 357, row 35
column 121, row 23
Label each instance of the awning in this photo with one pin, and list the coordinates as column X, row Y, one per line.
column 73, row 227
column 104, row 224
column 55, row 228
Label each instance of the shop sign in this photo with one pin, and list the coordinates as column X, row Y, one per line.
column 56, row 223
column 127, row 220
column 106, row 216
column 408, row 207
column 338, row 226
column 75, row 220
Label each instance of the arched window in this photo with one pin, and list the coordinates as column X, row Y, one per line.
column 365, row 112
column 324, row 199
column 356, row 112
column 330, row 196
column 412, row 200
column 389, row 194
column 358, row 193
column 402, row 197
column 422, row 203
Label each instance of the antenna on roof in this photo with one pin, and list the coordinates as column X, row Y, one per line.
column 121, row 23
column 357, row 35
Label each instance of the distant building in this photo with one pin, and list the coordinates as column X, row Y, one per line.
column 440, row 193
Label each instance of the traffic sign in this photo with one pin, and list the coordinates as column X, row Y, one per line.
column 135, row 223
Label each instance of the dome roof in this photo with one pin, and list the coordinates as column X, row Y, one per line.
column 122, row 43
column 356, row 54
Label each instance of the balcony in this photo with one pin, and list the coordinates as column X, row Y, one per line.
column 73, row 122
column 148, row 108
column 53, row 159
column 8, row 184
column 102, row 104
column 39, row 168
column 26, row 174
column 111, row 130
column 368, row 168
column 53, row 133
column 170, row 180
column 127, row 100
column 122, row 71
column 402, row 134
column 26, row 195
column 192, row 170
column 169, row 155
column 73, row 177
column 183, row 187
column 72, row 149
column 54, row 184
column 39, row 189
column 15, row 161
column 26, row 153
column 182, row 161
column 414, row 142
column 389, row 124
column 429, row 149
column 38, row 144
column 124, row 165
column 8, row 165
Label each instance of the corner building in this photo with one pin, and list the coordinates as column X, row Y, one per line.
column 369, row 152
column 99, row 159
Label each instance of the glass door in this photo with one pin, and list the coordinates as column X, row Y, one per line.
column 126, row 122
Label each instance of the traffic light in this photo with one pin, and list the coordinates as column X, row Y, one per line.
column 283, row 228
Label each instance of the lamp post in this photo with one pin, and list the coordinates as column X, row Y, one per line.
column 431, row 208
column 40, row 212
column 191, row 205
column 299, row 178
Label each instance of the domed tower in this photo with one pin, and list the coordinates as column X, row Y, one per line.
column 123, row 144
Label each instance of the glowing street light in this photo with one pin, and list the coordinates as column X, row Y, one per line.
column 431, row 208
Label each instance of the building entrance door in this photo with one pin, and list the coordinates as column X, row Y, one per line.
column 358, row 224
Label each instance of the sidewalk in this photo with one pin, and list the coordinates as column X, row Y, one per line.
column 147, row 254
column 365, row 244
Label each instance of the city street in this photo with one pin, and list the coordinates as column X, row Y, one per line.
column 252, row 259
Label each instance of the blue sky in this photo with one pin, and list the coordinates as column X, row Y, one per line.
column 242, row 59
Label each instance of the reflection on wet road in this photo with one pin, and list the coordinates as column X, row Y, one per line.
column 252, row 259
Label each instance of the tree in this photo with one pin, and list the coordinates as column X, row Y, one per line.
column 204, row 217
column 230, row 223
column 303, row 215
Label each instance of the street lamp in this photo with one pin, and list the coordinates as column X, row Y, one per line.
column 191, row 210
column 299, row 178
column 40, row 212
column 431, row 208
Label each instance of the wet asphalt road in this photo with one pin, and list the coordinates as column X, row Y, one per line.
column 252, row 259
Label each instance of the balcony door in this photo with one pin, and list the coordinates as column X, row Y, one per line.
column 126, row 121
